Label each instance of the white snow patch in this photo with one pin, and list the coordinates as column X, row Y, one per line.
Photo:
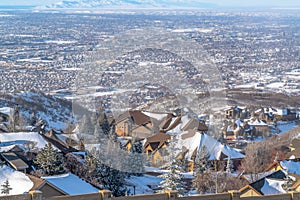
column 273, row 187
column 276, row 85
column 18, row 181
column 286, row 126
column 61, row 41
column 143, row 184
column 156, row 116
column 291, row 166
column 6, row 110
column 9, row 140
column 71, row 184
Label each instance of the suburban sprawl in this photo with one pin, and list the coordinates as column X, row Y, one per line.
column 102, row 104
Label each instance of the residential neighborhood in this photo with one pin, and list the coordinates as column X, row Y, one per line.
column 161, row 138
column 148, row 99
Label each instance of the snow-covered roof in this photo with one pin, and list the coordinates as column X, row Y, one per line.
column 18, row 181
column 214, row 147
column 291, row 166
column 257, row 123
column 9, row 140
column 143, row 184
column 71, row 184
column 6, row 110
column 272, row 186
column 281, row 112
column 156, row 116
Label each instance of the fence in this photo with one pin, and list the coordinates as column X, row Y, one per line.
column 172, row 195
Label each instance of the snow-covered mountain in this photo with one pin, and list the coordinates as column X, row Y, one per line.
column 127, row 4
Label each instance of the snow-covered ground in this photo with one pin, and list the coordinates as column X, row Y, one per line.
column 143, row 184
column 18, row 181
column 286, row 126
column 9, row 140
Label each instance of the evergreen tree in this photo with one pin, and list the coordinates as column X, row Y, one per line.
column 203, row 181
column 173, row 180
column 49, row 160
column 112, row 179
column 184, row 164
column 136, row 159
column 104, row 124
column 201, row 161
column 106, row 177
column 5, row 188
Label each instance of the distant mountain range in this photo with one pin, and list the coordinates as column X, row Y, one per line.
column 92, row 4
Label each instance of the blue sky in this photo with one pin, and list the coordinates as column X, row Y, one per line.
column 225, row 3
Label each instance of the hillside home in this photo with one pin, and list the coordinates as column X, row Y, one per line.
column 290, row 166
column 296, row 186
column 15, row 161
column 155, row 147
column 193, row 142
column 134, row 123
column 59, row 185
column 235, row 112
column 271, row 184
column 294, row 149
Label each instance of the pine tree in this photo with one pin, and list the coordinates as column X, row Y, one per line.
column 104, row 123
column 201, row 161
column 5, row 188
column 173, row 180
column 136, row 159
column 106, row 177
column 203, row 181
column 49, row 160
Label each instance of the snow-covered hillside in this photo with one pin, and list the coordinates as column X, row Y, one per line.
column 55, row 111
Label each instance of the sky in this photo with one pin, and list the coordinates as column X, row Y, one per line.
column 222, row 3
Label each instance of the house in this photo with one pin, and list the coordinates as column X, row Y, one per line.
column 261, row 127
column 217, row 152
column 126, row 142
column 59, row 185
column 194, row 124
column 142, row 124
column 155, row 147
column 296, row 186
column 290, row 166
column 235, row 112
column 275, row 166
column 53, row 138
column 294, row 149
column 18, row 181
column 15, row 161
column 134, row 123
column 282, row 114
column 270, row 184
